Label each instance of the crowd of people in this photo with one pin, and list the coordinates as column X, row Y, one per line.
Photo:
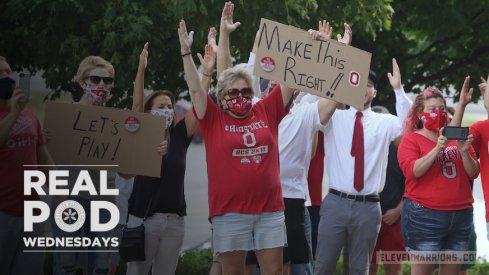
column 396, row 184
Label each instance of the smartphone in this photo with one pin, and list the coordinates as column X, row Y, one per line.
column 455, row 133
column 25, row 84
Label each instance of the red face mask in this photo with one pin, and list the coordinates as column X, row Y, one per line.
column 239, row 106
column 434, row 120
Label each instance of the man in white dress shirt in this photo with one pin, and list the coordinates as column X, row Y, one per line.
column 350, row 213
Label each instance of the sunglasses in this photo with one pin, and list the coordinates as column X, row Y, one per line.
column 245, row 92
column 96, row 79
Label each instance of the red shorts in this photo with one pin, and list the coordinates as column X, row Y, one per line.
column 389, row 239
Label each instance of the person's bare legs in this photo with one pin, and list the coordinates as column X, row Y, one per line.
column 270, row 260
column 393, row 269
column 449, row 269
column 422, row 269
column 233, row 262
column 250, row 269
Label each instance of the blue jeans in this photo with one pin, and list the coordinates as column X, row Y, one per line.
column 425, row 229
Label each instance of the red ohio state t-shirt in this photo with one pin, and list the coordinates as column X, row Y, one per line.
column 480, row 130
column 18, row 150
column 242, row 158
column 445, row 186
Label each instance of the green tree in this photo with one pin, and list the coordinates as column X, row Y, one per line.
column 436, row 43
column 54, row 36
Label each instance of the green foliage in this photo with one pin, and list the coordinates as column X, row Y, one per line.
column 195, row 262
column 436, row 43
column 55, row 35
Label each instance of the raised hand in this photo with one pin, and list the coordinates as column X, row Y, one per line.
column 395, row 76
column 143, row 56
column 466, row 92
column 211, row 39
column 227, row 25
column 209, row 59
column 325, row 30
column 347, row 36
column 186, row 39
column 482, row 86
column 313, row 34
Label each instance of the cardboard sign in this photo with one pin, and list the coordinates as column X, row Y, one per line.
column 85, row 135
column 326, row 68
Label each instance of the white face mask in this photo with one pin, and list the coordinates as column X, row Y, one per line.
column 166, row 112
column 97, row 94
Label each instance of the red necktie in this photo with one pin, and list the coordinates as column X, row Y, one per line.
column 357, row 151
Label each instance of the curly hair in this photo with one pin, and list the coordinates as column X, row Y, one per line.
column 412, row 122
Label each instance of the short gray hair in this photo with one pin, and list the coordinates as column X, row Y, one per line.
column 229, row 76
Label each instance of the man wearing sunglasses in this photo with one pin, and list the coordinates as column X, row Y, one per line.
column 21, row 143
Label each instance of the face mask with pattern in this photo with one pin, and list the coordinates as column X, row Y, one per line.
column 97, row 94
column 239, row 106
column 166, row 112
column 434, row 120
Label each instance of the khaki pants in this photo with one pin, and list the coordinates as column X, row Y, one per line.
column 163, row 241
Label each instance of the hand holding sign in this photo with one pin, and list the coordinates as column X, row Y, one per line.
column 325, row 30
column 347, row 36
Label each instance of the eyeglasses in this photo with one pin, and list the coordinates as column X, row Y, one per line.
column 96, row 79
column 245, row 92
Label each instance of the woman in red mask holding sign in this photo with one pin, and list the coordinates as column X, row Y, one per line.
column 437, row 209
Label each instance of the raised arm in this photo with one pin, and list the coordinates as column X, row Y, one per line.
column 208, row 61
column 403, row 103
column 138, row 93
column 226, row 28
column 327, row 107
column 464, row 99
column 484, row 88
column 197, row 93
column 251, row 64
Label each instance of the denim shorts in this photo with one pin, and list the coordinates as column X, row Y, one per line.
column 244, row 232
column 425, row 229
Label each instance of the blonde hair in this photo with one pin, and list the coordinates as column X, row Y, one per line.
column 229, row 76
column 7, row 66
column 90, row 63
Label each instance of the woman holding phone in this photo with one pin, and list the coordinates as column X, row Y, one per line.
column 437, row 209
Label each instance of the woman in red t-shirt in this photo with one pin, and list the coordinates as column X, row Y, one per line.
column 241, row 140
column 437, row 210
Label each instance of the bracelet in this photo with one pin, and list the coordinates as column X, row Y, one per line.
column 185, row 54
column 208, row 75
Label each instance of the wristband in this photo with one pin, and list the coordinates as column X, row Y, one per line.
column 185, row 54
column 208, row 75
